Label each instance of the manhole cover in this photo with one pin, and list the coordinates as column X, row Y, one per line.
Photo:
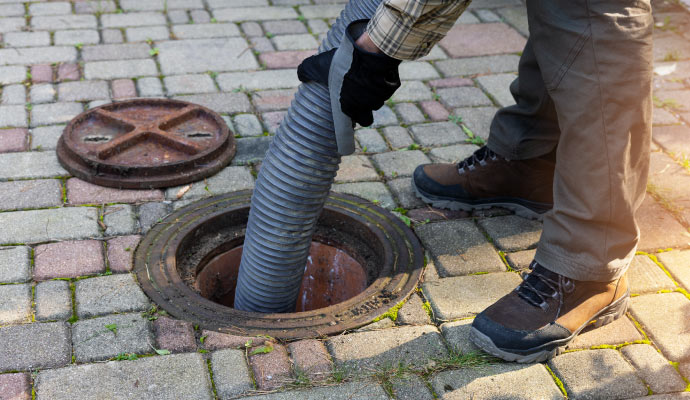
column 188, row 264
column 145, row 143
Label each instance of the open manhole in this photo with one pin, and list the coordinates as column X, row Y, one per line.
column 363, row 261
column 145, row 143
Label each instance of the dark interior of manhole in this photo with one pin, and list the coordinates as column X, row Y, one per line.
column 344, row 259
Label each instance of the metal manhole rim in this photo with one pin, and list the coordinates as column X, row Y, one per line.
column 205, row 162
column 324, row 321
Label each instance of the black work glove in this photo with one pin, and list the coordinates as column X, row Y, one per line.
column 362, row 81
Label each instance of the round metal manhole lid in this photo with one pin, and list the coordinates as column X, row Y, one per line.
column 178, row 249
column 145, row 143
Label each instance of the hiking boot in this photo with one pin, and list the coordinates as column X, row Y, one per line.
column 544, row 313
column 485, row 180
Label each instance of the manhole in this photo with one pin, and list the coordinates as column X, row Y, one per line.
column 364, row 261
column 145, row 143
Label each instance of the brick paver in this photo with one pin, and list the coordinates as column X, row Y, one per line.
column 68, row 259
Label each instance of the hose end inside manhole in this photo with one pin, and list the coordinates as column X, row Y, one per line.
column 363, row 261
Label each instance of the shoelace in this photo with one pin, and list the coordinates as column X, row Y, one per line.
column 478, row 157
column 536, row 287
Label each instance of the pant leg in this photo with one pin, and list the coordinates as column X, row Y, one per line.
column 595, row 57
column 528, row 128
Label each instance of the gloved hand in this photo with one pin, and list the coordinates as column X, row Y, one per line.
column 359, row 82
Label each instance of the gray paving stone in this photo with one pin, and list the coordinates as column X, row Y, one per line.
column 459, row 248
column 109, row 294
column 147, row 33
column 199, row 31
column 251, row 150
column 674, row 396
column 220, row 102
column 120, row 219
column 78, row 36
column 399, row 163
column 384, row 116
column 355, row 168
column 412, row 91
column 38, row 55
column 15, row 303
column 487, row 16
column 684, row 369
column 183, row 376
column 16, row 195
column 516, row 17
column 654, row 369
column 646, row 277
column 677, row 263
column 42, row 93
column 321, row 11
column 247, row 125
column 230, row 373
column 370, row 141
column 182, row 84
column 29, row 165
column 83, row 91
column 201, row 55
column 252, row 29
column 457, row 335
column 282, row 27
column 54, row 113
column 438, row 134
column 212, row 4
column 150, row 87
column 54, row 8
column 404, row 194
column 668, row 329
column 53, row 301
column 151, row 213
column 512, row 233
column 27, row 39
column 200, row 16
column 13, row 116
column 466, row 296
column 12, row 10
column 93, row 7
column 11, row 24
column 617, row 332
column 115, row 52
column 477, row 119
column 258, row 80
column 464, row 96
column 302, row 41
column 597, row 374
column 52, row 224
column 452, row 154
column 46, row 137
column 13, row 94
column 34, row 346
column 498, row 381
column 94, row 341
column 360, row 390
column 410, row 387
column 498, row 86
column 60, row 22
column 520, row 259
column 132, row 19
column 417, row 70
column 12, row 74
column 317, row 26
column 120, row 69
column 412, row 345
column 478, row 65
column 236, row 14
column 15, row 265
column 376, row 192
column 261, row 44
column 413, row 312
column 397, row 137
column 230, row 179
column 178, row 17
column 409, row 113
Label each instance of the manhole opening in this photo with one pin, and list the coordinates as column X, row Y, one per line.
column 342, row 262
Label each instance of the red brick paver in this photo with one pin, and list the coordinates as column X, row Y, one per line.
column 13, row 140
column 467, row 40
column 174, row 335
column 435, row 110
column 68, row 259
column 15, row 386
column 123, row 89
column 311, row 357
column 271, row 100
column 271, row 370
column 284, row 59
column 82, row 192
column 41, row 73
column 121, row 253
column 216, row 340
column 658, row 228
column 68, row 72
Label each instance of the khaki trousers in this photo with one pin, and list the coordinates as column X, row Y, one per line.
column 584, row 85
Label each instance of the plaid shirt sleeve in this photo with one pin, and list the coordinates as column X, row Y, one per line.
column 408, row 29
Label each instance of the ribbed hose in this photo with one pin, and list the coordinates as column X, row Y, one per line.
column 291, row 189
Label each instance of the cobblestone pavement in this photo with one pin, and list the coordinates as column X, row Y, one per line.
column 75, row 324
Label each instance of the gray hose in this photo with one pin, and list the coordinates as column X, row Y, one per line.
column 291, row 189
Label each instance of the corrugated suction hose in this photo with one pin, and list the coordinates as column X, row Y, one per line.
column 291, row 189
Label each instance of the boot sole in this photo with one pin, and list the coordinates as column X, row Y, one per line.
column 457, row 205
column 551, row 349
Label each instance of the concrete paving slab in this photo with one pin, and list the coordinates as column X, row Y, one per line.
column 34, row 346
column 410, row 387
column 15, row 303
column 512, row 233
column 230, row 373
column 15, row 264
column 109, row 294
column 654, row 369
column 102, row 338
column 647, row 277
column 360, row 390
column 53, row 301
column 670, row 329
column 201, row 55
column 52, row 224
column 678, row 264
column 617, row 332
column 413, row 312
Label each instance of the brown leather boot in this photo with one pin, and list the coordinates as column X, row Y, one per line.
column 544, row 313
column 485, row 180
